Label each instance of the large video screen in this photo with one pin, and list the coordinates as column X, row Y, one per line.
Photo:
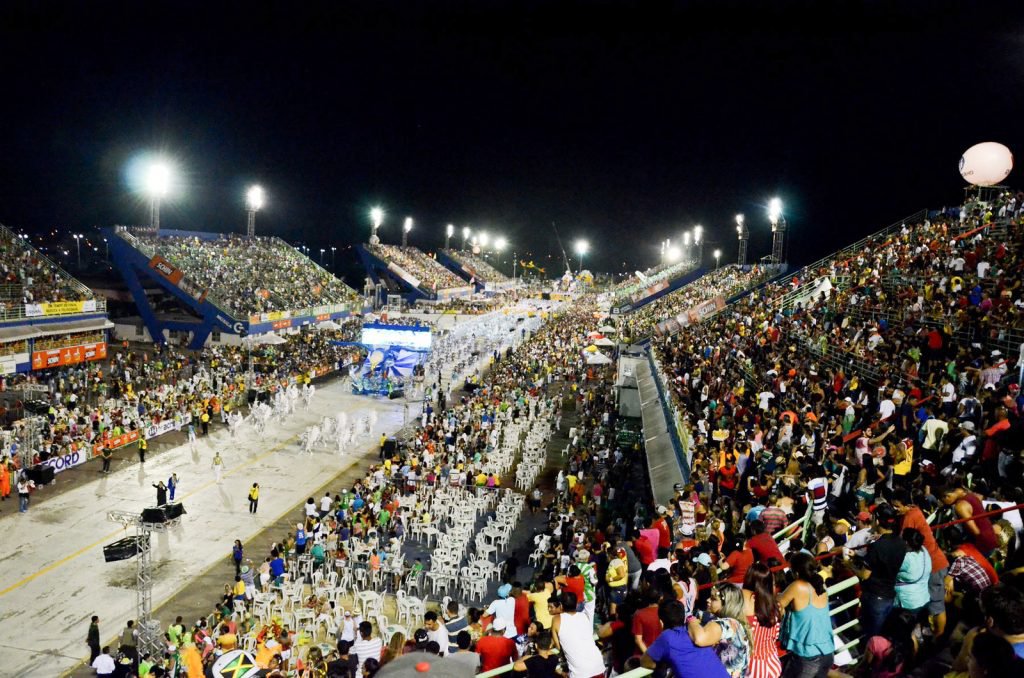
column 414, row 338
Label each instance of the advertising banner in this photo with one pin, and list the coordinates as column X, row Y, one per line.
column 115, row 442
column 59, row 308
column 691, row 316
column 69, row 355
column 401, row 273
column 166, row 269
column 65, row 461
column 9, row 363
column 166, row 426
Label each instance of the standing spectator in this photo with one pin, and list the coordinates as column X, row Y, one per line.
column 808, row 622
column 108, row 454
column 574, row 635
column 496, row 649
column 25, row 487
column 254, row 497
column 367, row 647
column 504, row 608
column 172, row 485
column 161, row 493
column 436, row 631
column 967, row 504
column 675, row 646
column 761, row 607
column 103, row 664
column 129, row 642
column 912, row 579
column 218, row 468
column 727, row 631
column 646, row 624
column 237, row 555
column 92, row 639
column 881, row 565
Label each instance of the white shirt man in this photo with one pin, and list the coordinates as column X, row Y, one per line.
column 104, row 663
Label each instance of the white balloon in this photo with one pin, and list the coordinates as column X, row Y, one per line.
column 986, row 164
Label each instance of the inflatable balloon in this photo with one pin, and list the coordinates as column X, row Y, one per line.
column 235, row 664
column 986, row 164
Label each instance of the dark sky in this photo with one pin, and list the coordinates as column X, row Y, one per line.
column 621, row 122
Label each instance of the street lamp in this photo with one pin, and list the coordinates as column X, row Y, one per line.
column 778, row 229
column 78, row 248
column 718, row 255
column 321, row 257
column 465, row 236
column 484, row 239
column 582, row 246
column 376, row 219
column 743, row 235
column 406, row 227
column 500, row 243
column 253, row 202
column 106, row 245
column 448, row 232
column 333, row 250
column 156, row 185
column 686, row 246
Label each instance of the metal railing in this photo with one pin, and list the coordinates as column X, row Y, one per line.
column 66, row 278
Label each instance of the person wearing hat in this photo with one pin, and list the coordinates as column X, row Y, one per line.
column 504, row 608
column 497, row 648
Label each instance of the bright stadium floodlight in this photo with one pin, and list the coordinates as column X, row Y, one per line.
column 376, row 219
column 743, row 235
column 500, row 243
column 465, row 235
column 582, row 246
column 156, row 184
column 774, row 210
column 718, row 255
column 673, row 253
column 484, row 239
column 698, row 232
column 448, row 233
column 406, row 227
column 253, row 201
column 778, row 229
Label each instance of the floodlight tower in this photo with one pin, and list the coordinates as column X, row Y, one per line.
column 406, row 227
column 448, row 233
column 253, row 202
column 686, row 247
column 743, row 235
column 582, row 247
column 465, row 236
column 376, row 219
column 157, row 184
column 778, row 230
column 698, row 240
column 718, row 256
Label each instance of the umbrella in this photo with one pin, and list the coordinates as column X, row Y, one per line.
column 329, row 325
column 269, row 339
column 598, row 359
column 607, row 329
column 591, row 349
column 604, row 341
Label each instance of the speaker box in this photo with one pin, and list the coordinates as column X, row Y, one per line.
column 123, row 549
column 397, row 393
column 390, row 446
column 175, row 510
column 154, row 515
column 41, row 475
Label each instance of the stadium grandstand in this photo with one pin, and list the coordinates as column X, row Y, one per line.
column 475, row 269
column 47, row 318
column 410, row 269
column 634, row 286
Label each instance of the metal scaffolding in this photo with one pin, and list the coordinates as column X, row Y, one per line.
column 150, row 639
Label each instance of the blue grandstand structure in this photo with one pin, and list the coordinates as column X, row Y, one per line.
column 474, row 269
column 407, row 271
column 228, row 283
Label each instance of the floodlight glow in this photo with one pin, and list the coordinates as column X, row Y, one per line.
column 254, row 198
column 157, row 180
column 484, row 238
column 465, row 232
column 686, row 238
column 500, row 243
column 450, row 230
column 407, row 226
column 673, row 253
column 739, row 219
column 377, row 216
column 774, row 209
column 582, row 246
column 717, row 253
column 698, row 231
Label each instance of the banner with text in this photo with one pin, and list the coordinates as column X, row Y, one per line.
column 59, row 308
column 691, row 316
column 69, row 355
column 115, row 442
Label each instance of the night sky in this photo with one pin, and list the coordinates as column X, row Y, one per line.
column 621, row 122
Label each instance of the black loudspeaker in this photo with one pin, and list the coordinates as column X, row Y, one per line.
column 397, row 393
column 41, row 475
column 123, row 549
column 154, row 515
column 390, row 446
column 175, row 510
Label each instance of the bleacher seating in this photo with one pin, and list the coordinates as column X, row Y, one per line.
column 484, row 271
column 251, row 275
column 652, row 276
column 28, row 277
column 431, row 275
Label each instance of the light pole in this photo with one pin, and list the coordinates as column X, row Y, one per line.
column 718, row 255
column 686, row 246
column 698, row 240
column 448, row 232
column 515, row 260
column 157, row 184
column 253, row 202
column 742, row 234
column 484, row 239
column 465, row 236
column 333, row 266
column 106, row 246
column 581, row 248
column 322, row 257
column 406, row 227
column 778, row 229
column 376, row 219
column 78, row 249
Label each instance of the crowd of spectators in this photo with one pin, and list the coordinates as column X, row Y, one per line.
column 252, row 275
column 626, row 289
column 725, row 282
column 482, row 269
column 27, row 277
column 431, row 275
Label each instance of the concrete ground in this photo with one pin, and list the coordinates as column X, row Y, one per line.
column 53, row 576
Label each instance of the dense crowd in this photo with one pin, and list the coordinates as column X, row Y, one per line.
column 252, row 275
column 431, row 275
column 483, row 270
column 725, row 282
column 625, row 290
column 27, row 277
